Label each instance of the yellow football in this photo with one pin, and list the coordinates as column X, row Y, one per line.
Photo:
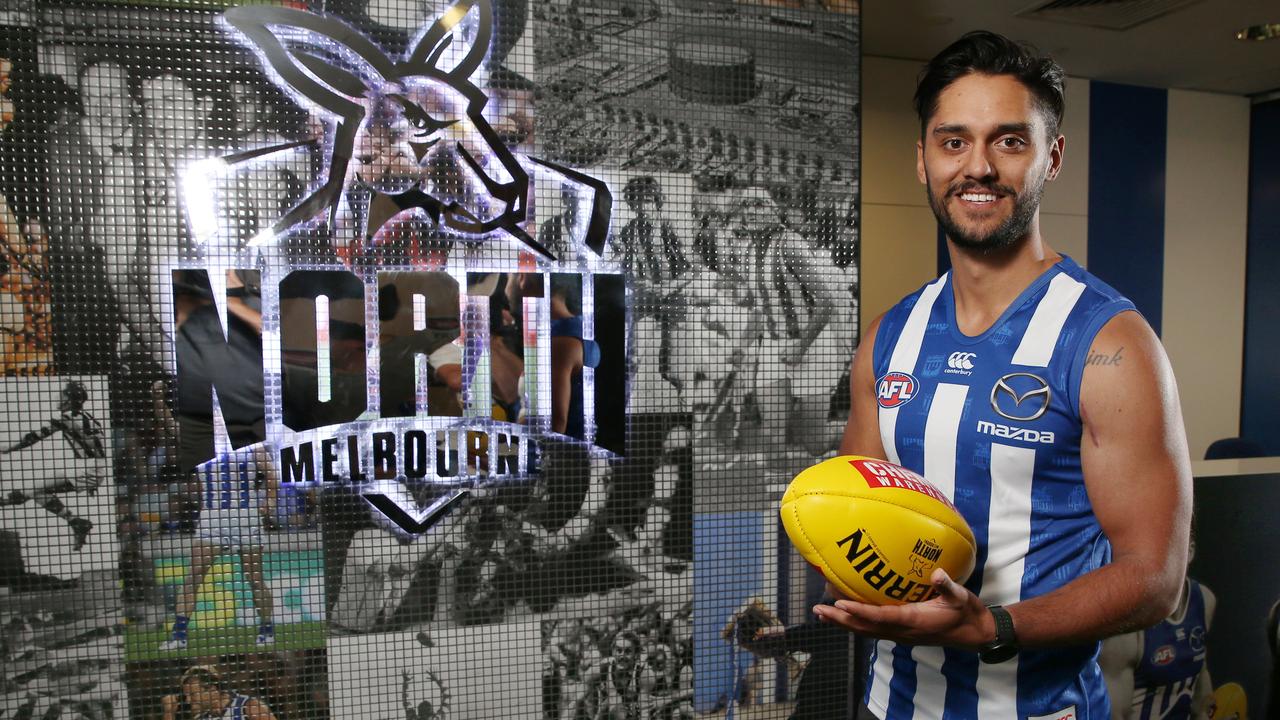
column 876, row 530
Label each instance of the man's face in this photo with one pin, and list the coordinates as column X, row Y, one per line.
column 754, row 210
column 201, row 698
column 104, row 93
column 984, row 159
column 171, row 110
column 248, row 107
column 6, row 68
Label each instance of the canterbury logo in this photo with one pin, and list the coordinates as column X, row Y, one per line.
column 1027, row 403
column 411, row 131
column 961, row 360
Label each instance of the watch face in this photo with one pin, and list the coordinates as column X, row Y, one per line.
column 998, row 653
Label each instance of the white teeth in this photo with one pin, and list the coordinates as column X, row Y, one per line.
column 977, row 197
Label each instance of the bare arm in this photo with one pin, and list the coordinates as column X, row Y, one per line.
column 1203, row 693
column 1120, row 655
column 862, row 431
column 1138, row 476
column 1137, row 471
column 262, row 459
column 566, row 359
column 255, row 709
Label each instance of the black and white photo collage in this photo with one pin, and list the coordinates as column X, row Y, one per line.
column 188, row 236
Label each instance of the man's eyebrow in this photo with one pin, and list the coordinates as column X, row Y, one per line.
column 1002, row 129
column 1018, row 127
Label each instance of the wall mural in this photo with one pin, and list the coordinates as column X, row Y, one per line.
column 420, row 358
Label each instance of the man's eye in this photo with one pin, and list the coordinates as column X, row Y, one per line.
column 1012, row 142
column 953, row 144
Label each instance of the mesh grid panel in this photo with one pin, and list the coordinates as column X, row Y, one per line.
column 419, row 359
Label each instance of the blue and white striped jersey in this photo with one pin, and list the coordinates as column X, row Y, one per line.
column 1173, row 655
column 231, row 481
column 994, row 422
column 235, row 710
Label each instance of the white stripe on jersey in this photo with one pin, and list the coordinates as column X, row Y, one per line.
column 941, row 431
column 998, row 690
column 878, row 697
column 931, row 687
column 1008, row 541
column 904, row 357
column 1009, row 527
column 1041, row 337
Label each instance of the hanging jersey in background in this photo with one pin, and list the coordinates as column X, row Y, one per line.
column 233, row 491
column 993, row 421
column 1172, row 658
column 232, row 481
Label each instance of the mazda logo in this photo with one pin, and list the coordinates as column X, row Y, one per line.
column 1029, row 404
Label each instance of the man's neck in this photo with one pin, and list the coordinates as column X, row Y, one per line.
column 559, row 310
column 986, row 284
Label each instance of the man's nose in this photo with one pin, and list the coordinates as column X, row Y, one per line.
column 978, row 163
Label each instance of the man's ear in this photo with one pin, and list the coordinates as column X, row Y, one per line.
column 457, row 42
column 921, row 175
column 1056, row 152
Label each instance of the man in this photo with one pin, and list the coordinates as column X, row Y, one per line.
column 238, row 492
column 205, row 694
column 174, row 123
column 268, row 188
column 1073, row 473
column 793, row 307
column 559, row 233
column 84, row 435
column 93, row 195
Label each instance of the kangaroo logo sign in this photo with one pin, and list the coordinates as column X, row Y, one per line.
column 335, row 366
column 410, row 133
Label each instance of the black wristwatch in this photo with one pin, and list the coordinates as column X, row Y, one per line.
column 1005, row 646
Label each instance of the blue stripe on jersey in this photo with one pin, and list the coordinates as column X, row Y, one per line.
column 229, row 482
column 903, row 667
column 1044, row 520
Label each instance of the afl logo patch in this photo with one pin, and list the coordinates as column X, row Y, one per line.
column 895, row 389
column 1163, row 655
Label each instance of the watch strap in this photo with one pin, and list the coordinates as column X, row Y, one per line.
column 1005, row 644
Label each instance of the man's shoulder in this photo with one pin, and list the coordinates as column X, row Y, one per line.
column 1096, row 290
column 912, row 299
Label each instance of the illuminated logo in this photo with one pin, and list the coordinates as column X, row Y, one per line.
column 896, row 388
column 410, row 132
column 1020, row 396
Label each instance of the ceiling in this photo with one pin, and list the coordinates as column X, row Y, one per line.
column 1192, row 48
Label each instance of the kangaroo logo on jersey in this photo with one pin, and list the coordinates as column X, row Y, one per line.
column 1020, row 396
column 895, row 389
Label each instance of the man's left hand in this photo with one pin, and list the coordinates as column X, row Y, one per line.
column 954, row 618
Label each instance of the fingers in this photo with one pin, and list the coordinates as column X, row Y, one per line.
column 947, row 588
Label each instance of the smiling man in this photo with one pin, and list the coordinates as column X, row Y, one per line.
column 1073, row 473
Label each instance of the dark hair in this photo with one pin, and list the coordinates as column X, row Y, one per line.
column 206, row 675
column 642, row 189
column 987, row 53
